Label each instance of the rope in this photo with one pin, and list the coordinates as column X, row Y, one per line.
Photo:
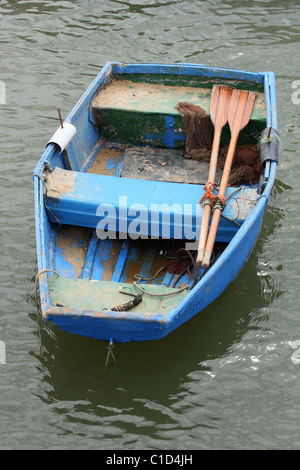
column 110, row 353
column 128, row 305
column 209, row 197
column 237, row 216
column 220, row 203
column 189, row 273
column 139, row 277
column 242, row 196
column 196, row 268
column 37, row 278
column 248, row 198
column 242, row 188
column 217, row 201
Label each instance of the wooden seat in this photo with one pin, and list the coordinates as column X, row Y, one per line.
column 146, row 113
column 140, row 208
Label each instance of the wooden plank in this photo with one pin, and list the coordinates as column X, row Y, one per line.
column 157, row 164
column 107, row 160
column 90, row 255
column 84, row 295
column 118, row 270
column 146, row 113
column 170, row 210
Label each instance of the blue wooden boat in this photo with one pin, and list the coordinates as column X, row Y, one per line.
column 117, row 202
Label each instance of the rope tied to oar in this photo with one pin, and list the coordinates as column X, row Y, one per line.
column 220, row 203
column 216, row 201
column 209, row 197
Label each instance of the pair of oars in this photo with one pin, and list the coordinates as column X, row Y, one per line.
column 235, row 107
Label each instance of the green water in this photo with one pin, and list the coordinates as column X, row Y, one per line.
column 228, row 379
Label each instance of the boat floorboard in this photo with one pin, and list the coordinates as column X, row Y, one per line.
column 83, row 295
column 148, row 163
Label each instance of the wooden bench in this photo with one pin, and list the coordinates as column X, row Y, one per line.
column 146, row 113
column 139, row 208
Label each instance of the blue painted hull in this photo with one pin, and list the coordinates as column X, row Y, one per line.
column 134, row 325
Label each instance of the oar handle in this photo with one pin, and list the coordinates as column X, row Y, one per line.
column 228, row 164
column 203, row 233
column 211, row 238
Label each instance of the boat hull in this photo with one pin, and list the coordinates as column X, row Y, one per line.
column 137, row 325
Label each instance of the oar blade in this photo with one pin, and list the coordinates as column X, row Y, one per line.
column 219, row 104
column 240, row 109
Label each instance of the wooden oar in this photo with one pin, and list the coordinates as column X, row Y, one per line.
column 239, row 113
column 219, row 103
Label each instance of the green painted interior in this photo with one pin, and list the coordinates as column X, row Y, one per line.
column 84, row 294
column 188, row 80
column 154, row 120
